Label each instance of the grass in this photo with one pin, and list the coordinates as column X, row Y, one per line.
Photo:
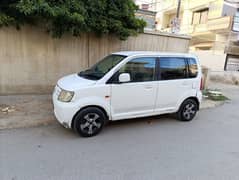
column 214, row 97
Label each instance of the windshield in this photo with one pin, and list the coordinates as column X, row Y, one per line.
column 97, row 71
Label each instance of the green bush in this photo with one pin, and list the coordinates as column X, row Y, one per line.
column 74, row 16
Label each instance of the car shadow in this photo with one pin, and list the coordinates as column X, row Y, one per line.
column 120, row 124
column 166, row 118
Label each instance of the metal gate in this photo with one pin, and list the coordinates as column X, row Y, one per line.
column 232, row 63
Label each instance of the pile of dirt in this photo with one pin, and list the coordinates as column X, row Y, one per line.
column 6, row 109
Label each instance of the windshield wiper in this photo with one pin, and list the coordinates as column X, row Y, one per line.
column 89, row 75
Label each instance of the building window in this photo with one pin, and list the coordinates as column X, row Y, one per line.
column 200, row 17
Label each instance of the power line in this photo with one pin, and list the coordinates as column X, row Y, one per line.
column 178, row 8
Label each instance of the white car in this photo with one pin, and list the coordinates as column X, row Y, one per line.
column 129, row 84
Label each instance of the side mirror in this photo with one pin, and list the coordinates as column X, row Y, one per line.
column 124, row 77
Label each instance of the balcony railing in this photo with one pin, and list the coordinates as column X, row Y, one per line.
column 168, row 5
column 213, row 25
column 218, row 24
column 200, row 28
column 222, row 23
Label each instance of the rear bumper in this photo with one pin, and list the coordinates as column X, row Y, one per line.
column 199, row 97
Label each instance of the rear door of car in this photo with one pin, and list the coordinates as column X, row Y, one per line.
column 174, row 83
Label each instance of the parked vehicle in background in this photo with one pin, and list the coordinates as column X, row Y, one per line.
column 129, row 84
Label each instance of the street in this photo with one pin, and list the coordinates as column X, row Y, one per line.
column 87, row 63
column 140, row 149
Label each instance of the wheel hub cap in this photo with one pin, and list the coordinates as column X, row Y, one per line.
column 189, row 111
column 91, row 123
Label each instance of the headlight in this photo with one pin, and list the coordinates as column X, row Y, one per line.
column 65, row 96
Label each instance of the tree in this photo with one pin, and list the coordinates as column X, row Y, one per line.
column 74, row 16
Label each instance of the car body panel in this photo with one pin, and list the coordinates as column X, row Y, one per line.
column 73, row 82
column 129, row 100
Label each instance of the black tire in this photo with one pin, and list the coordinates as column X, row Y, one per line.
column 89, row 121
column 187, row 110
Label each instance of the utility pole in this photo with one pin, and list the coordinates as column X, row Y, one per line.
column 176, row 23
column 178, row 9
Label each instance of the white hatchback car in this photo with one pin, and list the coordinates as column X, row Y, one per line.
column 127, row 85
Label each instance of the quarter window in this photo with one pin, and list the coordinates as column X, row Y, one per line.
column 193, row 68
column 172, row 68
column 140, row 69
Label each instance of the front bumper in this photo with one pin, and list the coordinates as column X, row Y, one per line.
column 64, row 112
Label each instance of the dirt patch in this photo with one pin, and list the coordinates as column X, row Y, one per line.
column 25, row 111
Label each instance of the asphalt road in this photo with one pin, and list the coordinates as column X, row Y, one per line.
column 206, row 148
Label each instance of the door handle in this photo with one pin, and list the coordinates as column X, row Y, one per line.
column 186, row 83
column 148, row 87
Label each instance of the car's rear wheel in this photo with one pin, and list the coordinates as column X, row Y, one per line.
column 187, row 110
column 89, row 121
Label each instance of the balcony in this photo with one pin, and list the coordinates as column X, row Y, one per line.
column 220, row 24
column 169, row 6
column 199, row 28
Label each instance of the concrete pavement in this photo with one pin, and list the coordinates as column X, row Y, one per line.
column 206, row 148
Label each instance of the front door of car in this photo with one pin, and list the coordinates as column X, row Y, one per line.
column 138, row 96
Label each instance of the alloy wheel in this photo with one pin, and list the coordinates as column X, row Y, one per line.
column 189, row 111
column 90, row 123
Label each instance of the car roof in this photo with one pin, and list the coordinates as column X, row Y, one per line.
column 153, row 53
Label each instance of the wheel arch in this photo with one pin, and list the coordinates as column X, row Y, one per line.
column 193, row 98
column 95, row 106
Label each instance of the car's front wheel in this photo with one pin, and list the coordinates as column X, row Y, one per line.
column 89, row 121
column 187, row 110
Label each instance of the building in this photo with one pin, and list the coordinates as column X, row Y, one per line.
column 147, row 11
column 151, row 5
column 149, row 17
column 213, row 25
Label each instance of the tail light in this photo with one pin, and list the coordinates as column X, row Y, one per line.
column 201, row 84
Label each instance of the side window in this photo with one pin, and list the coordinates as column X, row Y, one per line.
column 193, row 68
column 172, row 68
column 140, row 69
